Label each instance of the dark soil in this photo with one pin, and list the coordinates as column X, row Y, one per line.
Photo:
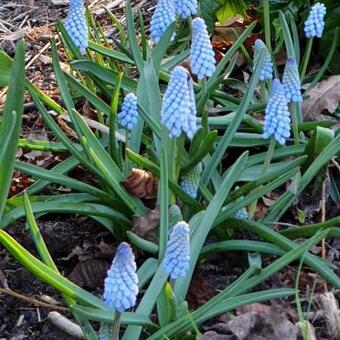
column 69, row 241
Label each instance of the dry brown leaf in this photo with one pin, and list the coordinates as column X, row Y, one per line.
column 324, row 96
column 262, row 323
column 90, row 273
column 142, row 184
column 145, row 227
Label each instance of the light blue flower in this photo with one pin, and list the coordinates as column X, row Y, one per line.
column 179, row 107
column 177, row 255
column 202, row 55
column 185, row 8
column 267, row 68
column 121, row 283
column 277, row 117
column 291, row 81
column 315, row 23
column 242, row 214
column 163, row 16
column 75, row 24
column 129, row 114
column 190, row 181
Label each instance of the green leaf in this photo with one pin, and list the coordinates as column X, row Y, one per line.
column 89, row 209
column 231, row 8
column 105, row 74
column 5, row 68
column 54, row 177
column 46, row 274
column 232, row 128
column 11, row 123
column 37, row 238
column 200, row 233
column 107, row 315
column 321, row 137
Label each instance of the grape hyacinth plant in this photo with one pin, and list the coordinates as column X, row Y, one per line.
column 291, row 81
column 267, row 68
column 186, row 8
column 190, row 181
column 175, row 164
column 163, row 16
column 121, row 283
column 120, row 287
column 76, row 26
column 314, row 27
column 177, row 255
column 277, row 116
column 202, row 56
column 315, row 23
column 179, row 107
column 129, row 114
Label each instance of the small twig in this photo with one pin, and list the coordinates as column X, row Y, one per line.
column 65, row 325
column 31, row 300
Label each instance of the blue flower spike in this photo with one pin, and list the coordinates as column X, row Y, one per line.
column 129, row 114
column 75, row 24
column 315, row 23
column 277, row 117
column 190, row 181
column 242, row 214
column 177, row 255
column 163, row 16
column 179, row 107
column 202, row 56
column 121, row 283
column 267, row 67
column 186, row 8
column 291, row 81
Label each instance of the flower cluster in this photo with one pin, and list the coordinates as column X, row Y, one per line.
column 177, row 256
column 162, row 18
column 291, row 81
column 129, row 114
column 267, row 68
column 190, row 181
column 315, row 23
column 179, row 108
column 201, row 54
column 242, row 214
column 121, row 283
column 277, row 117
column 185, row 8
column 75, row 24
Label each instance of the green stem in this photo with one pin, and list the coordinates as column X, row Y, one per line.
column 116, row 326
column 306, row 58
column 295, row 123
column 126, row 168
column 269, row 155
column 173, row 170
column 263, row 92
column 204, row 111
column 266, row 14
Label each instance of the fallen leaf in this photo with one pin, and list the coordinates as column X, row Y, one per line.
column 142, row 184
column 90, row 273
column 145, row 227
column 263, row 323
column 324, row 96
